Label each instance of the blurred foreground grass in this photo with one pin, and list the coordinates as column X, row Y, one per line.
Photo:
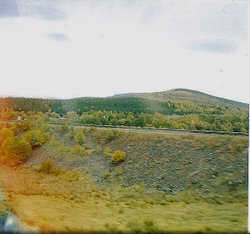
column 71, row 201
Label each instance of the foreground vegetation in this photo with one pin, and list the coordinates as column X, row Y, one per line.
column 72, row 202
column 68, row 178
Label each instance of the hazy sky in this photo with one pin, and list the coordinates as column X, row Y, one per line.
column 71, row 48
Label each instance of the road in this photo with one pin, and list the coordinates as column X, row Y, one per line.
column 142, row 129
column 151, row 130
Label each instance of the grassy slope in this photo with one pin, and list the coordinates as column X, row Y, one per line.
column 191, row 95
column 178, row 182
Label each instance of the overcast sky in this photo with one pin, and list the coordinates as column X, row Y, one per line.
column 71, row 48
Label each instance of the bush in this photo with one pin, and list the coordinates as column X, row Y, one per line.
column 36, row 138
column 111, row 135
column 53, row 141
column 79, row 137
column 98, row 149
column 69, row 137
column 77, row 150
column 107, row 152
column 106, row 174
column 118, row 156
column 118, row 172
column 5, row 133
column 48, row 167
column 63, row 149
column 24, row 126
column 14, row 149
column 64, row 129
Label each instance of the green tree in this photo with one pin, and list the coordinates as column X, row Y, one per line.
column 36, row 137
column 72, row 116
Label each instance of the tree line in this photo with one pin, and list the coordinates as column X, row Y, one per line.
column 176, row 115
column 231, row 121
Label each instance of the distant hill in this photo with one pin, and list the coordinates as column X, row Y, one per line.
column 175, row 101
column 187, row 95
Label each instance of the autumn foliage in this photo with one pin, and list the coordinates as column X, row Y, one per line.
column 15, row 150
column 118, row 156
column 36, row 138
column 16, row 142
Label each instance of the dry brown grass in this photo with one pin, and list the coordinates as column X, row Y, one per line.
column 71, row 202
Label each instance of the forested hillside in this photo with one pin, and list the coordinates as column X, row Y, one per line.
column 175, row 109
column 178, row 101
